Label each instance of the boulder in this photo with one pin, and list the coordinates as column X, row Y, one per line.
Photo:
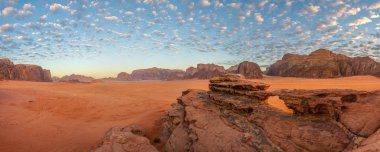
column 128, row 139
column 250, row 70
column 323, row 63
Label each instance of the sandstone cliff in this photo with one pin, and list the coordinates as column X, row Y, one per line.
column 250, row 70
column 123, row 76
column 323, row 64
column 204, row 71
column 25, row 72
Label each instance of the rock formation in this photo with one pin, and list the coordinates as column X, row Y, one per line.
column 250, row 70
column 323, row 64
column 75, row 78
column 233, row 69
column 128, row 139
column 235, row 116
column 25, row 72
column 157, row 74
column 123, row 76
column 204, row 71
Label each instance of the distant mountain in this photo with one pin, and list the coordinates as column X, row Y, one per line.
column 75, row 77
column 323, row 63
column 25, row 72
column 157, row 74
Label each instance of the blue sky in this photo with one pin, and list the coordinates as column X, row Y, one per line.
column 102, row 38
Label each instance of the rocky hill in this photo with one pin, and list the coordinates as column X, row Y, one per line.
column 323, row 63
column 157, row 74
column 250, row 70
column 25, row 72
column 204, row 71
column 75, row 77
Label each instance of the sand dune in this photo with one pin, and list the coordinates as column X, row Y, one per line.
column 38, row 116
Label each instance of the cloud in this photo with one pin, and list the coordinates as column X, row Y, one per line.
column 7, row 11
column 262, row 4
column 310, row 10
column 360, row 21
column 234, row 5
column 26, row 10
column 374, row 6
column 204, row 2
column 353, row 11
column 56, row 7
column 111, row 18
column 6, row 27
column 259, row 18
column 374, row 15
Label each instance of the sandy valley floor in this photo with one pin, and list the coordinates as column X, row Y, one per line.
column 64, row 117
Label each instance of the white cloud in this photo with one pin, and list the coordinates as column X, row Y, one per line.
column 374, row 6
column 374, row 15
column 56, row 6
column 310, row 10
column 111, row 18
column 204, row 2
column 26, row 10
column 129, row 13
column 7, row 11
column 6, row 27
column 259, row 18
column 234, row 5
column 262, row 4
column 353, row 11
column 360, row 21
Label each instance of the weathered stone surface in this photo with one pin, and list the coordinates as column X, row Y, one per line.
column 129, row 139
column 26, row 72
column 204, row 71
column 250, row 70
column 235, row 116
column 157, row 74
column 323, row 63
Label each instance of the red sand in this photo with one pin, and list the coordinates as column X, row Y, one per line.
column 36, row 116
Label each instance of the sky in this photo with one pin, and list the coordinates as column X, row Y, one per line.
column 102, row 38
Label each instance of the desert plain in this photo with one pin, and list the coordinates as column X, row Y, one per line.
column 61, row 117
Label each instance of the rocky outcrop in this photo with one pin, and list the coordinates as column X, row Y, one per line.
column 232, row 69
column 323, row 63
column 250, row 70
column 157, row 74
column 128, row 139
column 235, row 116
column 76, row 78
column 123, row 76
column 25, row 72
column 204, row 71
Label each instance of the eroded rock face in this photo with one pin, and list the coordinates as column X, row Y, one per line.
column 323, row 63
column 235, row 116
column 25, row 72
column 128, row 139
column 204, row 71
column 157, row 74
column 250, row 70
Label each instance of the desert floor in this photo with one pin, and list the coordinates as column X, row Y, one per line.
column 65, row 117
